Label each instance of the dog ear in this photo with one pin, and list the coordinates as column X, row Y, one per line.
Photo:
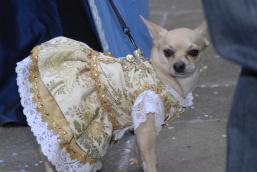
column 155, row 31
column 202, row 30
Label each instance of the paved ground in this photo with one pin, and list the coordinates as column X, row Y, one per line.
column 194, row 143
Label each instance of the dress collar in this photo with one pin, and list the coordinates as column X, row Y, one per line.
column 184, row 102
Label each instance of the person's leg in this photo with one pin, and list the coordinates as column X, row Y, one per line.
column 77, row 22
column 10, row 108
column 232, row 26
column 242, row 125
column 24, row 24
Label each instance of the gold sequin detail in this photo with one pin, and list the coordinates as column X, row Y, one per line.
column 130, row 58
column 100, row 88
column 165, row 99
column 108, row 54
column 72, row 148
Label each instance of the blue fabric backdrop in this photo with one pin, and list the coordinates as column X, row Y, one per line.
column 27, row 23
column 23, row 24
column 109, row 30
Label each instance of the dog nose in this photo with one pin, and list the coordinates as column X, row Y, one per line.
column 179, row 67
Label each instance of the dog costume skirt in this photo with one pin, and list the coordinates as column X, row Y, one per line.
column 77, row 100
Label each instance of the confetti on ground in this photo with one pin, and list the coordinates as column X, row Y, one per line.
column 173, row 7
column 205, row 67
column 40, row 162
column 171, row 128
column 1, row 161
column 224, row 135
column 14, row 154
column 127, row 150
column 195, row 121
column 206, row 116
column 215, row 92
column 214, row 86
column 227, row 85
column 202, row 86
column 36, row 164
column 173, row 138
column 26, row 166
column 192, row 107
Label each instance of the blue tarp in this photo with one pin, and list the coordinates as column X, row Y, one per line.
column 27, row 23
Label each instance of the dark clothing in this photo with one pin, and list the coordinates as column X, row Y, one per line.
column 77, row 22
column 242, row 126
column 233, row 29
column 27, row 23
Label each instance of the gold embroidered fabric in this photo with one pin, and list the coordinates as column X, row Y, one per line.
column 85, row 95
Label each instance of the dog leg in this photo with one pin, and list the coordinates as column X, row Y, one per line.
column 146, row 141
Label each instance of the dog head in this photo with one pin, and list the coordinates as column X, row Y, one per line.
column 177, row 51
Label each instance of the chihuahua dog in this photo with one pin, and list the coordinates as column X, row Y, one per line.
column 65, row 76
column 174, row 57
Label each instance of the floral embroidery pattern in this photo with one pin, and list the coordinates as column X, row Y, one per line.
column 95, row 93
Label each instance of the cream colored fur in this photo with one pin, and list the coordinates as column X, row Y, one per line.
column 180, row 41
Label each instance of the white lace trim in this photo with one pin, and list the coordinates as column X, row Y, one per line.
column 146, row 103
column 184, row 102
column 45, row 137
column 150, row 102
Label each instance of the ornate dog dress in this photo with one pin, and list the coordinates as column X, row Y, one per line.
column 77, row 100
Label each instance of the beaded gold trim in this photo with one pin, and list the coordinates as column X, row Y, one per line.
column 75, row 152
column 108, row 58
column 177, row 114
column 146, row 87
column 166, row 102
column 101, row 89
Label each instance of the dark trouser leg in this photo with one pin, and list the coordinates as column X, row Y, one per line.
column 242, row 126
column 77, row 22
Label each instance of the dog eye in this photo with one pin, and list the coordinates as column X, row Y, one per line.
column 168, row 52
column 193, row 52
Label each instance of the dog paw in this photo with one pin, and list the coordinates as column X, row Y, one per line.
column 133, row 161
